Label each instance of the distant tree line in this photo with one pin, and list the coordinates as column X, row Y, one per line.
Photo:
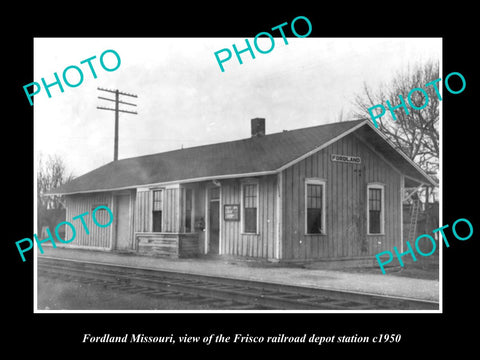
column 415, row 134
column 51, row 173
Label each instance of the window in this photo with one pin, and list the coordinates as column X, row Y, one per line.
column 250, row 196
column 157, row 210
column 375, row 209
column 315, row 206
column 188, row 210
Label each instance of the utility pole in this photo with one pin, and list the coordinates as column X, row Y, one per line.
column 117, row 110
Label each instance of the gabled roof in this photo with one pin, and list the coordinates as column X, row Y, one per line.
column 254, row 156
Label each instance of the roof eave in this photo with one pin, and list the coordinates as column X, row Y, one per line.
column 165, row 183
column 410, row 161
column 266, row 172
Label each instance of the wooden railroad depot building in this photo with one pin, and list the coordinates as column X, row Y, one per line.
column 328, row 192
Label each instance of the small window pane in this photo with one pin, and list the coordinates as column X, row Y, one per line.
column 250, row 220
column 157, row 200
column 157, row 221
column 314, row 221
column 157, row 210
column 314, row 196
column 374, row 217
column 250, row 208
column 314, row 208
column 250, row 196
column 374, row 210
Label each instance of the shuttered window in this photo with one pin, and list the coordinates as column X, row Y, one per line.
column 157, row 210
column 250, row 194
column 314, row 206
column 375, row 209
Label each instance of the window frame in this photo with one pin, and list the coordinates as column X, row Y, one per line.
column 242, row 206
column 323, row 183
column 382, row 208
column 162, row 190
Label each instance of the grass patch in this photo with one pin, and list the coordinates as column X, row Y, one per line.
column 426, row 270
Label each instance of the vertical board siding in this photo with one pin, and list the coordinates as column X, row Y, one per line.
column 98, row 237
column 346, row 206
column 171, row 215
column 143, row 211
column 260, row 245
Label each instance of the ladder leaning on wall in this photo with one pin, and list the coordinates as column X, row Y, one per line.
column 412, row 230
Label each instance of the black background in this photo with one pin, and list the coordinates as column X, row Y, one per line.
column 60, row 335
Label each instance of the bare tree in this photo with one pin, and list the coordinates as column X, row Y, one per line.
column 416, row 134
column 51, row 173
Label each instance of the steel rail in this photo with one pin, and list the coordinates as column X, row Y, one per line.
column 249, row 292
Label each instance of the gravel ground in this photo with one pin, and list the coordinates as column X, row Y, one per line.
column 59, row 294
column 364, row 280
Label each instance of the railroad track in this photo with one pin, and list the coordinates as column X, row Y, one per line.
column 226, row 293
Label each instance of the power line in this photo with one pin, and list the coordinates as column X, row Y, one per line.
column 117, row 110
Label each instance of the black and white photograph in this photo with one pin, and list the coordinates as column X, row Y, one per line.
column 299, row 180
column 184, row 182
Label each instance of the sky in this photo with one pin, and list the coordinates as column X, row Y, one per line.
column 185, row 100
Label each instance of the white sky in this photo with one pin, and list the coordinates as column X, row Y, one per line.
column 184, row 98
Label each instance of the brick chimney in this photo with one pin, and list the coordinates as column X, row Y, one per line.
column 258, row 127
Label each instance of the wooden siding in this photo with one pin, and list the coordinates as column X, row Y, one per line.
column 233, row 241
column 167, row 245
column 171, row 210
column 157, row 244
column 171, row 217
column 98, row 237
column 346, row 192
column 143, row 211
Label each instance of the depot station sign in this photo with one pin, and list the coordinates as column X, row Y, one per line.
column 346, row 159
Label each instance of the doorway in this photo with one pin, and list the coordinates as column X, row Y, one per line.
column 214, row 220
